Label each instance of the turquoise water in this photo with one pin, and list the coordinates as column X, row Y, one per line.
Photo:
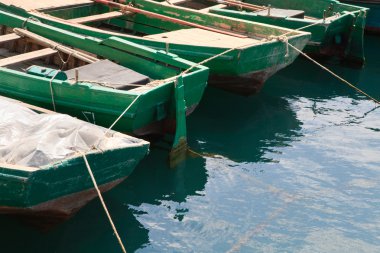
column 293, row 169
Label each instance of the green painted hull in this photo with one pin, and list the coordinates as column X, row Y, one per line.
column 340, row 36
column 156, row 103
column 59, row 190
column 373, row 19
column 250, row 65
column 46, row 186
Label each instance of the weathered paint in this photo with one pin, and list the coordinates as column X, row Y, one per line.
column 343, row 21
column 241, row 62
column 105, row 103
column 373, row 18
column 59, row 189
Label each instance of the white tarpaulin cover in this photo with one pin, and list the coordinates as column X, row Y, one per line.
column 31, row 139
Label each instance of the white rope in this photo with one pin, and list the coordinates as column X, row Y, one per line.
column 51, row 89
column 282, row 37
column 121, row 115
column 103, row 203
column 321, row 21
column 285, row 39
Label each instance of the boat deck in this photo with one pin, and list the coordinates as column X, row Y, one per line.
column 44, row 4
column 199, row 37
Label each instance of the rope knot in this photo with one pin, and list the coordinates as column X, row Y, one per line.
column 27, row 20
column 284, row 39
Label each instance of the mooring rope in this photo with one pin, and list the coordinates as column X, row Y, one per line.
column 283, row 36
column 61, row 58
column 122, row 114
column 335, row 75
column 103, row 203
column 285, row 39
column 51, row 89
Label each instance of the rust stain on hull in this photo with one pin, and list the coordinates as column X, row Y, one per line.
column 60, row 209
column 245, row 85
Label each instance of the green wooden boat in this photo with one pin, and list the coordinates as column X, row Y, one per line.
column 255, row 49
column 95, row 89
column 373, row 18
column 337, row 29
column 42, row 171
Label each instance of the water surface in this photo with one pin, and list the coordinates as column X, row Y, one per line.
column 293, row 169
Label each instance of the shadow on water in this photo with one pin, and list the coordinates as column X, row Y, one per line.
column 241, row 128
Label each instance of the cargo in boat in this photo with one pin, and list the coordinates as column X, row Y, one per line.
column 42, row 170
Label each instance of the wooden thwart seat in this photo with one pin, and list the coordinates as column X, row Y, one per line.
column 200, row 37
column 281, row 13
column 9, row 37
column 27, row 56
column 174, row 2
column 220, row 6
column 98, row 17
column 44, row 4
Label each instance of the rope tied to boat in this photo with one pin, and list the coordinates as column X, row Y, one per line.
column 51, row 89
column 284, row 39
column 103, row 203
column 122, row 114
column 55, row 75
column 61, row 58
column 336, row 75
column 27, row 20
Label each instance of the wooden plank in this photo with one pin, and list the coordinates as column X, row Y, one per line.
column 200, row 37
column 44, row 4
column 281, row 13
column 27, row 56
column 9, row 37
column 98, row 17
column 220, row 6
column 132, row 9
column 174, row 2
column 84, row 56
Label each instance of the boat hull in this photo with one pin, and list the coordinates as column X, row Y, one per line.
column 249, row 84
column 58, row 191
column 97, row 104
column 60, row 209
column 373, row 18
column 242, row 62
column 341, row 36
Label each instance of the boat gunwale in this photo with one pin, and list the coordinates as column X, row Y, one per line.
column 41, row 13
column 126, row 36
column 253, row 23
column 136, row 91
column 74, row 156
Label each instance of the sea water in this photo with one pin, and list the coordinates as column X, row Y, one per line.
column 295, row 168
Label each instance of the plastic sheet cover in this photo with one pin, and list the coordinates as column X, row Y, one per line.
column 28, row 138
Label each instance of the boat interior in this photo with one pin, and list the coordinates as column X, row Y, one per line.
column 27, row 52
column 112, row 20
column 268, row 9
